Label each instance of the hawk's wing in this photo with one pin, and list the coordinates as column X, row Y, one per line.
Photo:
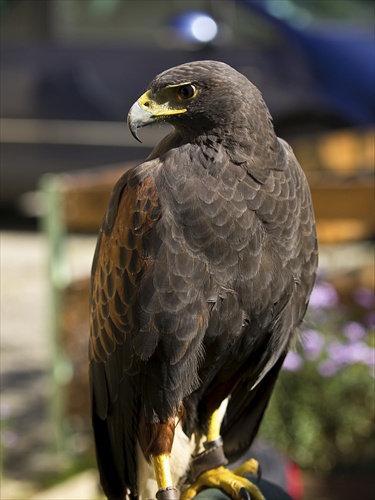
column 248, row 402
column 122, row 257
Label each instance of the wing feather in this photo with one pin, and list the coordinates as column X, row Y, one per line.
column 122, row 257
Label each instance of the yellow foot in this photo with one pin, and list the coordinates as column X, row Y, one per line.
column 232, row 482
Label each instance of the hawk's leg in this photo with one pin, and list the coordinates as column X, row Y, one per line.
column 208, row 469
column 164, row 479
column 156, row 441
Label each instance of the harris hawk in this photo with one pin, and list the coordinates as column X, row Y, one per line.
column 201, row 277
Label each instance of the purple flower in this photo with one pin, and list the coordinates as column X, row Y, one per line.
column 364, row 297
column 313, row 344
column 362, row 353
column 345, row 354
column 327, row 368
column 324, row 295
column 354, row 331
column 340, row 354
column 292, row 362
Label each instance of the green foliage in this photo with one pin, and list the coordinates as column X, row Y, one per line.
column 323, row 423
column 322, row 410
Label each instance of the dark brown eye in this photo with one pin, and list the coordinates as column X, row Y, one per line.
column 186, row 92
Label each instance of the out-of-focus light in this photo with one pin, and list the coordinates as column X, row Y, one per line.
column 204, row 28
column 283, row 9
column 295, row 15
column 194, row 27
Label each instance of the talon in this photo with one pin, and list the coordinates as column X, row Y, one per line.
column 251, row 466
column 168, row 493
column 236, row 487
column 207, row 470
column 244, row 493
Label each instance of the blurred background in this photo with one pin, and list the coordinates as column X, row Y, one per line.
column 70, row 70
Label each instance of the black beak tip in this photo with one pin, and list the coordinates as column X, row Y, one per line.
column 134, row 133
column 133, row 129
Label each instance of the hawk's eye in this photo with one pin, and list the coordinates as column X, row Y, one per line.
column 186, row 92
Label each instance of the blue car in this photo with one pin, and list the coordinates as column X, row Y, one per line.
column 340, row 55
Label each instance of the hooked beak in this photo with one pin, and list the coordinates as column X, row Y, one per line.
column 146, row 111
column 138, row 117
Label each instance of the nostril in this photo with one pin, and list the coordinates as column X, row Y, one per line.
column 146, row 104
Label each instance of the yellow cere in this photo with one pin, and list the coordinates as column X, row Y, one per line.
column 155, row 108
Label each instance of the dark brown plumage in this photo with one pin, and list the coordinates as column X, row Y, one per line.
column 202, row 273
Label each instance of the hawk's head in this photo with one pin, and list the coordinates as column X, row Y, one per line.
column 199, row 96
